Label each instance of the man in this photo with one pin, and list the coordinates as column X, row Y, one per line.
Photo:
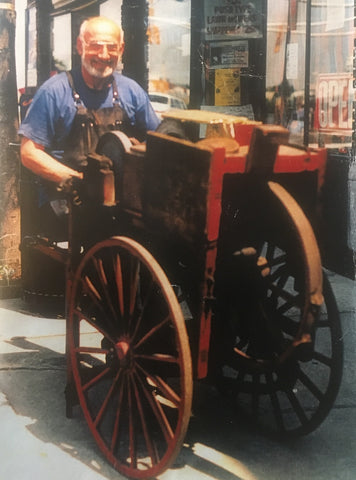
column 69, row 109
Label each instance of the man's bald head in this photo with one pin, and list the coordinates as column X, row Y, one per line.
column 100, row 26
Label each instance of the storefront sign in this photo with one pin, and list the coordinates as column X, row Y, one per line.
column 334, row 99
column 228, row 54
column 232, row 18
column 227, row 86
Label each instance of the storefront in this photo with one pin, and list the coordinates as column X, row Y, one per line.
column 287, row 62
column 310, row 90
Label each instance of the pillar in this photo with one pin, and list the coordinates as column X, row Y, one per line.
column 134, row 24
column 10, row 269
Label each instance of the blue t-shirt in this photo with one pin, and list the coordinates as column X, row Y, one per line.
column 52, row 111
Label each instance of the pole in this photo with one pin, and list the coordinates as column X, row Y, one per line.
column 307, row 74
column 134, row 24
column 9, row 164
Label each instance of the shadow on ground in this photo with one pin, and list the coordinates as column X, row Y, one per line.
column 219, row 444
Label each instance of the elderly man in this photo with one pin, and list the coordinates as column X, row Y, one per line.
column 72, row 109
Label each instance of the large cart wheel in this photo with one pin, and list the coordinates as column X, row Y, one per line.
column 130, row 357
column 283, row 365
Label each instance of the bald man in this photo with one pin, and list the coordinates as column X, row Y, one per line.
column 73, row 106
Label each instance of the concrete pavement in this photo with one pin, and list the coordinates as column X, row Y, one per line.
column 39, row 442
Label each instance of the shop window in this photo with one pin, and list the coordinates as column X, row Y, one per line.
column 331, row 79
column 112, row 9
column 229, row 56
column 285, row 68
column 31, row 44
column 169, row 49
column 326, row 113
column 62, row 44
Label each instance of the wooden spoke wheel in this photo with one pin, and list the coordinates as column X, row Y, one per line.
column 283, row 364
column 130, row 357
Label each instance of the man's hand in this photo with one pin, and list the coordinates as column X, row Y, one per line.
column 134, row 141
column 70, row 186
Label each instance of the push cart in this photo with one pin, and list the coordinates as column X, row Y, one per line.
column 190, row 259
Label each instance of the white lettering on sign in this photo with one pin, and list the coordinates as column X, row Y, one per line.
column 334, row 102
column 232, row 19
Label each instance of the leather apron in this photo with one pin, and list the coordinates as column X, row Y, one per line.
column 89, row 125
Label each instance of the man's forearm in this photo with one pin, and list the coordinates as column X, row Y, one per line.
column 42, row 164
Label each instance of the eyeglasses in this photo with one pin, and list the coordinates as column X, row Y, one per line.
column 98, row 47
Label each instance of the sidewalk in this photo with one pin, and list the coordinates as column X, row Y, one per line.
column 39, row 442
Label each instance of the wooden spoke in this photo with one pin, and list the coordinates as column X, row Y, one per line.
column 134, row 281
column 99, row 268
column 119, row 284
column 119, row 413
column 84, row 349
column 283, row 279
column 96, row 379
column 277, row 411
column 294, row 300
column 270, row 253
column 141, row 315
column 279, row 259
column 285, row 308
column 166, row 390
column 149, row 444
column 320, row 357
column 92, row 291
column 151, row 332
column 158, row 357
column 312, row 387
column 106, row 400
column 94, row 323
column 277, row 274
column 157, row 411
column 289, row 325
column 297, row 407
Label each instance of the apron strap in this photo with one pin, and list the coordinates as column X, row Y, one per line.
column 115, row 92
column 76, row 96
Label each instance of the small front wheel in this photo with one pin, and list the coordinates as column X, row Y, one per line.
column 130, row 357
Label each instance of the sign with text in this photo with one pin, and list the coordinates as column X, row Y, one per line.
column 334, row 101
column 227, row 86
column 228, row 54
column 225, row 19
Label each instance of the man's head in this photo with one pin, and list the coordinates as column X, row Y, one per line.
column 100, row 46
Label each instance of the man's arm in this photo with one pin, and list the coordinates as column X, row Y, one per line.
column 42, row 164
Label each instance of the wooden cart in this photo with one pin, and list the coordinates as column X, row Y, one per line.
column 198, row 264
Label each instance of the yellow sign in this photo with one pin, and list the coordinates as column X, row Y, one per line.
column 227, row 86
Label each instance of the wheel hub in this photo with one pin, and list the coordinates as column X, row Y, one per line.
column 124, row 353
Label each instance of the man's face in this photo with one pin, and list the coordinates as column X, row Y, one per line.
column 100, row 50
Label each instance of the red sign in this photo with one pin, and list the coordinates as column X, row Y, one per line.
column 334, row 99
